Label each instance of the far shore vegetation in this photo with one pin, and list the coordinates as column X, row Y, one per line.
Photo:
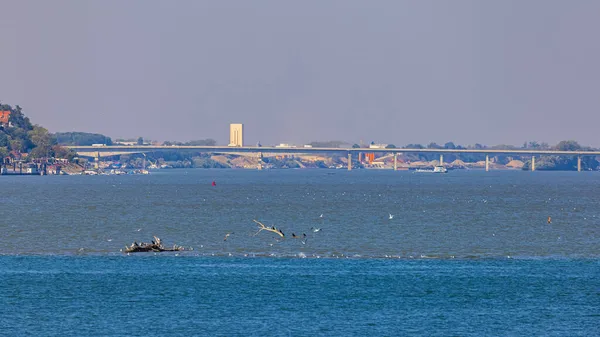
column 20, row 139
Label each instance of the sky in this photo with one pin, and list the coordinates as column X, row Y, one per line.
column 397, row 71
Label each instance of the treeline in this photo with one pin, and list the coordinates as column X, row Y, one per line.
column 21, row 136
column 328, row 144
column 200, row 142
column 81, row 138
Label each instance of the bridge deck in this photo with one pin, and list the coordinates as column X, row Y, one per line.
column 115, row 150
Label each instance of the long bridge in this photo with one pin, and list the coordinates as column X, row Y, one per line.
column 114, row 150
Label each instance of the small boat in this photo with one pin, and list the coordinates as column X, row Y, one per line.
column 436, row 169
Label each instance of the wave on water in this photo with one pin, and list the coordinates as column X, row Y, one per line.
column 301, row 255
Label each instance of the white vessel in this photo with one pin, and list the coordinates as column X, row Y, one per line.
column 436, row 169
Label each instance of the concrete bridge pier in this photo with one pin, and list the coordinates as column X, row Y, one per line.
column 532, row 163
column 441, row 160
column 97, row 161
column 487, row 163
column 395, row 161
column 349, row 161
column 260, row 162
column 578, row 163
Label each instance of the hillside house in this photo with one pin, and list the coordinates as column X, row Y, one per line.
column 4, row 118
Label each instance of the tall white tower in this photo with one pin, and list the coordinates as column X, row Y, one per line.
column 236, row 135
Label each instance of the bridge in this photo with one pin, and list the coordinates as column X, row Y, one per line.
column 114, row 150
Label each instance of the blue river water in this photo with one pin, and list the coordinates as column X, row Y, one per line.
column 397, row 253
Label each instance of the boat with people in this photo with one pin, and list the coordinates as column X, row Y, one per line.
column 436, row 169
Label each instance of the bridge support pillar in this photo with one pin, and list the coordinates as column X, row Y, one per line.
column 97, row 161
column 441, row 160
column 349, row 161
column 395, row 161
column 532, row 163
column 487, row 163
column 578, row 163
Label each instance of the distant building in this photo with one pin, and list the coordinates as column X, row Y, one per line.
column 236, row 135
column 4, row 116
column 378, row 146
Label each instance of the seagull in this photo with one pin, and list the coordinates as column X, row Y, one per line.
column 139, row 229
column 315, row 229
column 226, row 236
column 320, row 216
column 391, row 216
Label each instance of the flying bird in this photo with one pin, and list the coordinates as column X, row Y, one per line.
column 226, row 236
column 302, row 238
column 391, row 216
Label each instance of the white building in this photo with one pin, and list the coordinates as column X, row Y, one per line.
column 236, row 135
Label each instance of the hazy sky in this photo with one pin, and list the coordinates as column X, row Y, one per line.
column 492, row 72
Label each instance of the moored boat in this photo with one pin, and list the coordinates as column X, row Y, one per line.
column 436, row 169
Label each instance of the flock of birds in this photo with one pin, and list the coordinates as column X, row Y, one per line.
column 280, row 233
column 273, row 229
column 302, row 238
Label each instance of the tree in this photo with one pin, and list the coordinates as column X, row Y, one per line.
column 140, row 141
column 433, row 146
column 356, row 146
column 4, row 141
column 202, row 142
column 42, row 141
column 329, row 144
column 3, row 153
column 390, row 146
column 18, row 119
column 17, row 145
column 414, row 146
column 568, row 145
column 63, row 153
column 449, row 145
